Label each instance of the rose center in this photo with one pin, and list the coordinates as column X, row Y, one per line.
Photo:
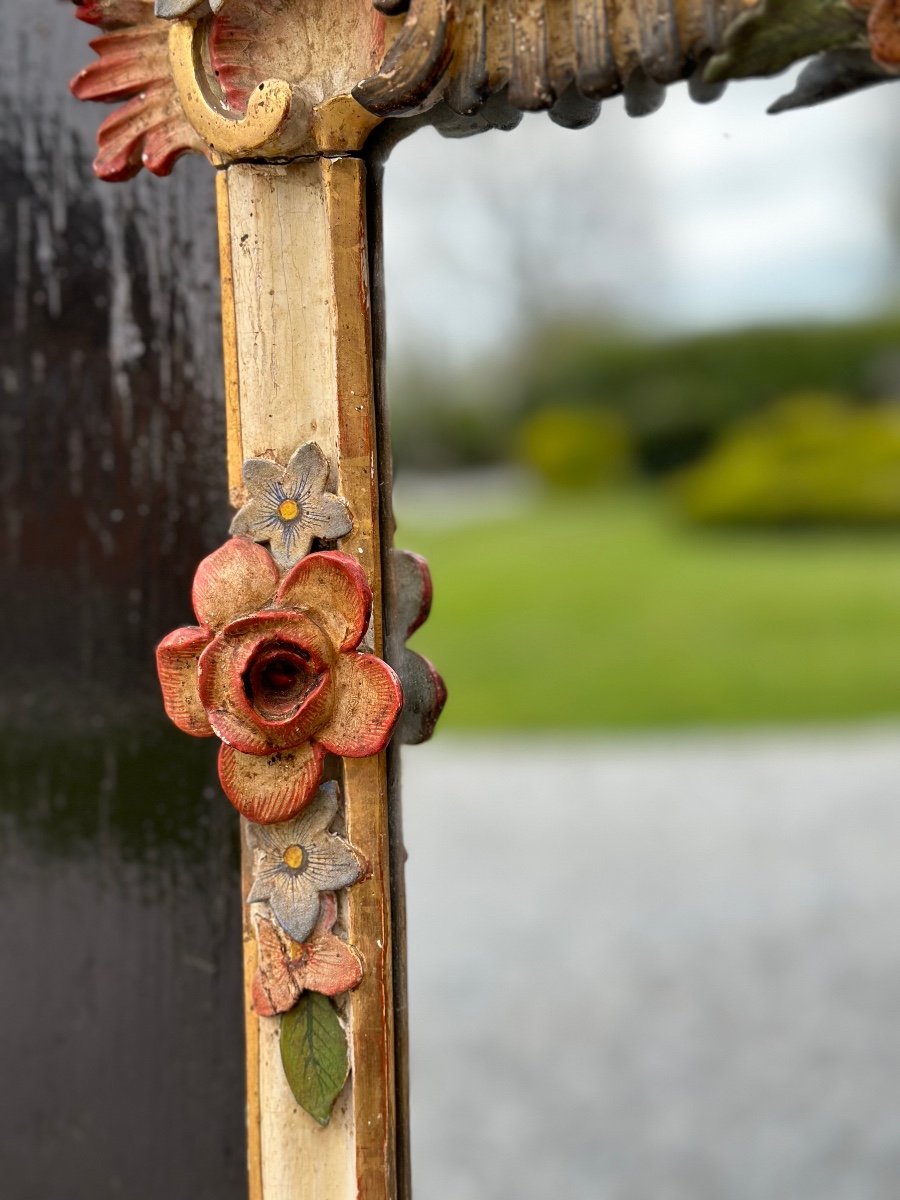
column 294, row 857
column 277, row 681
column 289, row 510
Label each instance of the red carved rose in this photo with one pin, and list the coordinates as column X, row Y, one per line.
column 274, row 671
column 884, row 30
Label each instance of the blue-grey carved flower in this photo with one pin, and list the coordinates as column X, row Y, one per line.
column 289, row 506
column 297, row 860
column 180, row 8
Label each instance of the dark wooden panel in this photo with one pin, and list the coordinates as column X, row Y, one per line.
column 121, row 1043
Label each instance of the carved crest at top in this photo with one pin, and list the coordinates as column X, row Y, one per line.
column 564, row 56
column 238, row 79
column 489, row 60
column 230, row 78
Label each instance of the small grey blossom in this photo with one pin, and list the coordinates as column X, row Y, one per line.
column 297, row 860
column 172, row 9
column 289, row 506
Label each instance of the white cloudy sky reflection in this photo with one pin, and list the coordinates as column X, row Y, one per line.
column 694, row 218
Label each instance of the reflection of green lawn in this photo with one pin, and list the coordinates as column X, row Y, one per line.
column 604, row 612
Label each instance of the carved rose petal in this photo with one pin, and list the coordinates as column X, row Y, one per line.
column 368, row 698
column 240, row 734
column 234, row 581
column 323, row 964
column 331, row 966
column 273, row 789
column 275, row 988
column 223, row 681
column 328, row 911
column 273, row 996
column 177, row 657
column 884, row 33
column 332, row 588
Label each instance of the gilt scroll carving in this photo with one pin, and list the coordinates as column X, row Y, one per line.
column 237, row 79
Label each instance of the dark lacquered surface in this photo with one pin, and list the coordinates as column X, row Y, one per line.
column 121, row 1041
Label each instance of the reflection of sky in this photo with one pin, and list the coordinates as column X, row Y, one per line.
column 695, row 217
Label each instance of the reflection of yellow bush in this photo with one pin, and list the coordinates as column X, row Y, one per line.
column 574, row 447
column 810, row 459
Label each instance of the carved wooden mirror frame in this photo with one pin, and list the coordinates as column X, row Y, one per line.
column 298, row 662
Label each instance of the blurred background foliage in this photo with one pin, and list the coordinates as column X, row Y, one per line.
column 572, row 390
column 648, row 434
column 694, row 531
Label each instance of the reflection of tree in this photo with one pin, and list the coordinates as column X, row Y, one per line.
column 530, row 225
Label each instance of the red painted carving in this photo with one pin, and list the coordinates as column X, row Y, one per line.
column 149, row 129
column 286, row 969
column 884, row 30
column 273, row 669
column 245, row 42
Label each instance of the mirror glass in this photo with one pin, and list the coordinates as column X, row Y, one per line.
column 645, row 386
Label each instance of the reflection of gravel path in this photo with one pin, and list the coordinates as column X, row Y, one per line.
column 656, row 969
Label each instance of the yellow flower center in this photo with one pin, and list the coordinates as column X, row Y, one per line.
column 293, row 857
column 288, row 510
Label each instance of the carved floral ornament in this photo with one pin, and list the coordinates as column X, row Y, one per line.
column 301, row 960
column 289, row 506
column 297, row 860
column 275, row 669
column 323, row 963
column 233, row 79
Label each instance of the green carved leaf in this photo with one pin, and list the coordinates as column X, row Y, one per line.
column 778, row 33
column 314, row 1054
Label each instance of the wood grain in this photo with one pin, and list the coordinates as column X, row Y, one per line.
column 235, row 441
column 529, row 86
column 365, row 780
column 302, row 361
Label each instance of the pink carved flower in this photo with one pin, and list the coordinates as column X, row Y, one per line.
column 273, row 669
column 286, row 969
column 884, row 31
